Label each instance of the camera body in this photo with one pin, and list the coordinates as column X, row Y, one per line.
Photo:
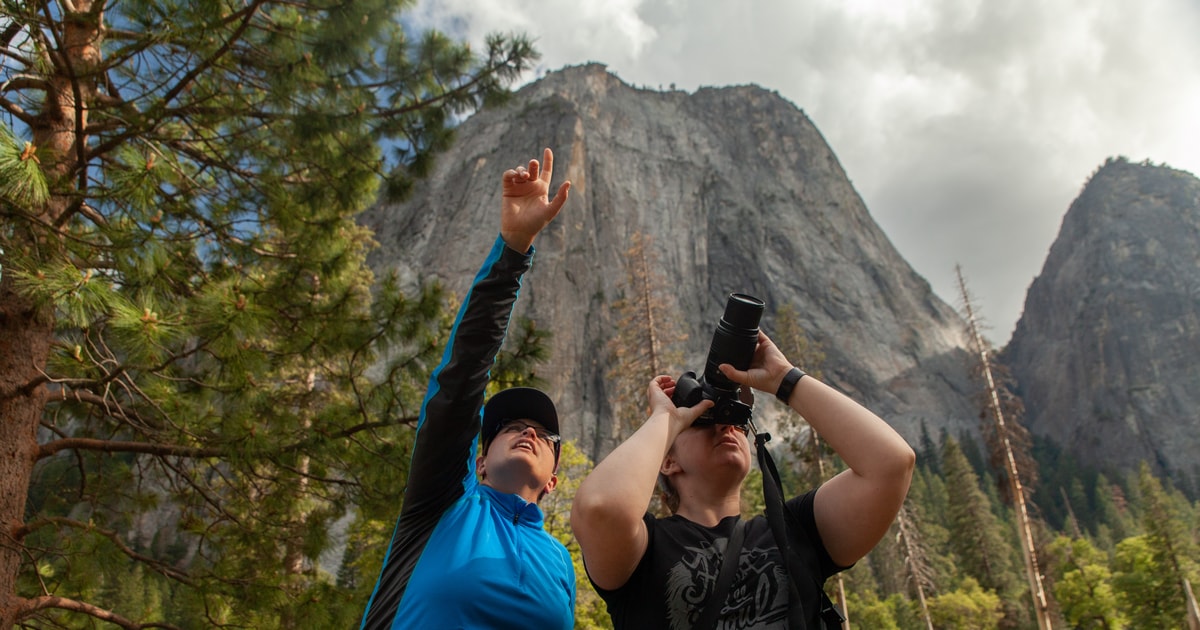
column 733, row 342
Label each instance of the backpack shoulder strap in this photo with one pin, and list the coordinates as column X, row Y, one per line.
column 733, row 550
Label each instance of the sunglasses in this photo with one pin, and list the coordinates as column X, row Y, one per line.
column 519, row 426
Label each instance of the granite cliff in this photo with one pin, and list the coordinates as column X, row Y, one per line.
column 739, row 192
column 1106, row 350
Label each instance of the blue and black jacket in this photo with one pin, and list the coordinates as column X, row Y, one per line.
column 464, row 555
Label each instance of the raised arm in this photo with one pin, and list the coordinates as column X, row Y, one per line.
column 442, row 464
column 854, row 509
column 606, row 515
column 449, row 419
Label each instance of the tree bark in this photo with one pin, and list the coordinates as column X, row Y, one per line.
column 26, row 331
column 24, row 347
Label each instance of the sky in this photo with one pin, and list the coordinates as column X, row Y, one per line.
column 968, row 127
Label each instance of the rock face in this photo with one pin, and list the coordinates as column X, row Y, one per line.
column 738, row 192
column 1106, row 350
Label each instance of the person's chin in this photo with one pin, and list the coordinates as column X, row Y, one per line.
column 523, row 458
column 729, row 455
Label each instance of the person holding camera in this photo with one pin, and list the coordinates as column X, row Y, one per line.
column 672, row 573
column 469, row 549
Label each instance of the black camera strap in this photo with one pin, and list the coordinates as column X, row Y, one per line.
column 782, row 523
column 733, row 551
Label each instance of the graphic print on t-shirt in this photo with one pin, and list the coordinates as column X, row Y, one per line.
column 756, row 599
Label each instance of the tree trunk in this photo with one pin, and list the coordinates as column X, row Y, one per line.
column 24, row 346
column 1193, row 610
column 26, row 331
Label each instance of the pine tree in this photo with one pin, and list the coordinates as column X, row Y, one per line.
column 1173, row 548
column 927, row 455
column 187, row 326
column 929, row 495
column 976, row 534
column 646, row 343
column 1112, row 511
column 1083, row 585
column 803, row 443
column 968, row 607
column 1148, row 593
column 917, row 567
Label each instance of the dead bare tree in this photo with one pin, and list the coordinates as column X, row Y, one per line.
column 1007, row 447
column 916, row 567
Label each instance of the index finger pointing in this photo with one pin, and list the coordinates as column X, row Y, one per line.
column 547, row 164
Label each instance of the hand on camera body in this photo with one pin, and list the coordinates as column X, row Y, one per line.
column 660, row 393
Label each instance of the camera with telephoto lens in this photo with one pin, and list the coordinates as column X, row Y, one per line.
column 733, row 342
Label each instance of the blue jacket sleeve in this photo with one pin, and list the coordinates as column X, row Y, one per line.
column 443, row 459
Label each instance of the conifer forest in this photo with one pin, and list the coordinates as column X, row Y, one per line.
column 208, row 399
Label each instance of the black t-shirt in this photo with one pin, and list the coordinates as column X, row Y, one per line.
column 673, row 582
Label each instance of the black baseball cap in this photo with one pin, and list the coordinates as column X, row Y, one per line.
column 518, row 403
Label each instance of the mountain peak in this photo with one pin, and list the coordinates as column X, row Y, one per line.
column 738, row 192
column 1106, row 348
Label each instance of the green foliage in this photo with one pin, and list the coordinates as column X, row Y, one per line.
column 1083, row 585
column 529, row 347
column 1170, row 522
column 21, row 180
column 970, row 607
column 226, row 378
column 1149, row 570
column 870, row 612
column 590, row 612
column 1146, row 589
column 977, row 538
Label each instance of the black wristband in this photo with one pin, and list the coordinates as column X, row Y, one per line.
column 788, row 384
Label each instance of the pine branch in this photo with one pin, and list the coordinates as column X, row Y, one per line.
column 246, row 16
column 27, row 608
column 6, row 37
column 16, row 111
column 158, row 566
column 111, row 408
column 113, row 446
column 349, row 432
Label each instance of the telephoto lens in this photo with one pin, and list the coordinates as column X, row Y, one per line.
column 734, row 340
